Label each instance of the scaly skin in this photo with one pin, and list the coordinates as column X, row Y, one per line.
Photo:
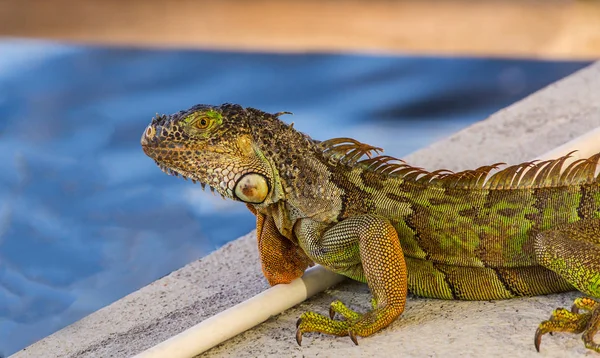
column 529, row 229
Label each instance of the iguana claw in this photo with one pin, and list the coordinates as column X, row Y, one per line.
column 298, row 334
column 353, row 336
column 537, row 340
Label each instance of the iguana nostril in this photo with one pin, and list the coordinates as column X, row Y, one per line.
column 148, row 136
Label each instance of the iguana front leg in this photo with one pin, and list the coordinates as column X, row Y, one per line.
column 282, row 260
column 573, row 251
column 365, row 248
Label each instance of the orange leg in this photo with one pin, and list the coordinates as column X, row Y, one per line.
column 282, row 260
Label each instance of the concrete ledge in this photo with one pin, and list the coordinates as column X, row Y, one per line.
column 428, row 327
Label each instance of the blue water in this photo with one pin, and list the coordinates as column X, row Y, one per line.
column 86, row 218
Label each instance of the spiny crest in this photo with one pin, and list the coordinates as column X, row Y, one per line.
column 347, row 150
column 387, row 165
column 546, row 173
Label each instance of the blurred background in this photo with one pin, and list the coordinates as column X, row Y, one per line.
column 86, row 218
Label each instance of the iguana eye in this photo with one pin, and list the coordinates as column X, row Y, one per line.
column 203, row 123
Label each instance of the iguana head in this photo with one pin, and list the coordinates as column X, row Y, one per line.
column 230, row 148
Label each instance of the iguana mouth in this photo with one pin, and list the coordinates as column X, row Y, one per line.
column 172, row 172
column 161, row 151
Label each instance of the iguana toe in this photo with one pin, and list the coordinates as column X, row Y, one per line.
column 338, row 307
column 573, row 321
column 583, row 303
column 315, row 322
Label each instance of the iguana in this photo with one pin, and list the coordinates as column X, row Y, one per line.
column 482, row 234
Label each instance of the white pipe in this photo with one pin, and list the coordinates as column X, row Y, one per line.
column 243, row 316
column 277, row 299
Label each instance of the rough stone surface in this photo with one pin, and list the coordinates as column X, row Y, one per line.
column 428, row 327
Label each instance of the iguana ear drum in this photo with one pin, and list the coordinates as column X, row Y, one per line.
column 252, row 188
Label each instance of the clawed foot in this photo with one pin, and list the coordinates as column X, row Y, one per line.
column 573, row 321
column 353, row 324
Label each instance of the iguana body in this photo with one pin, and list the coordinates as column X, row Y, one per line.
column 529, row 229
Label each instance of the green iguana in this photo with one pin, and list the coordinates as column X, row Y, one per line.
column 528, row 229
